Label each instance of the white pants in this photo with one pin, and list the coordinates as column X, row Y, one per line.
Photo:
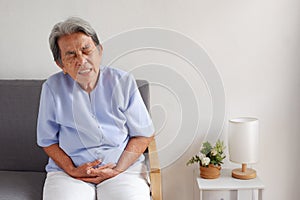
column 128, row 185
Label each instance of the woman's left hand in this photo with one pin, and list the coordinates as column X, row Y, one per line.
column 100, row 174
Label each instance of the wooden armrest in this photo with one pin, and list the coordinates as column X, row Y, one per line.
column 155, row 175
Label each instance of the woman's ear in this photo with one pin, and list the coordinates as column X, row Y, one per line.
column 100, row 49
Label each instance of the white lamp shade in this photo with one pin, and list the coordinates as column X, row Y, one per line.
column 243, row 140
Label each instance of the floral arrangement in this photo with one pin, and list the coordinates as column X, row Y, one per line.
column 209, row 155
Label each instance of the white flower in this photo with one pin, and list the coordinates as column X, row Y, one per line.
column 214, row 152
column 205, row 161
column 201, row 156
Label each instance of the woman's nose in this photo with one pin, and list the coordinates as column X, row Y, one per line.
column 80, row 59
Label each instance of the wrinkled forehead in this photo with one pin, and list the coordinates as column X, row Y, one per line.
column 74, row 41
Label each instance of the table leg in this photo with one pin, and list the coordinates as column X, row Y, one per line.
column 260, row 194
column 201, row 193
column 238, row 194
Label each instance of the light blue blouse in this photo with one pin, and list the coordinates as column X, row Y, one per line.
column 92, row 126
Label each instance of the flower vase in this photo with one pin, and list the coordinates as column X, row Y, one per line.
column 210, row 172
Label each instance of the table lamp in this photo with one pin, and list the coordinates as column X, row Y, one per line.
column 243, row 145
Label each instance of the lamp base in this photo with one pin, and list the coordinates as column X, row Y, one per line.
column 247, row 174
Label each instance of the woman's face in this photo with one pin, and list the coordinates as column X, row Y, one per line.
column 80, row 59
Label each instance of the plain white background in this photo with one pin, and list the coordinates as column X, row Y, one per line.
column 254, row 45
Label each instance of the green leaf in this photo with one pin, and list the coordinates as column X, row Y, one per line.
column 206, row 148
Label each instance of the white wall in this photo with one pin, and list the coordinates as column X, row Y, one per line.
column 254, row 44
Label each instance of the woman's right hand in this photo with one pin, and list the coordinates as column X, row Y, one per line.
column 83, row 170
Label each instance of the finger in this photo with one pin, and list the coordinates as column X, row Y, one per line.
column 94, row 163
column 95, row 171
column 109, row 165
column 89, row 171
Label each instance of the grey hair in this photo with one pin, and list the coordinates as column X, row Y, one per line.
column 67, row 27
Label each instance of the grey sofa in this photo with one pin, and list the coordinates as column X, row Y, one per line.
column 22, row 162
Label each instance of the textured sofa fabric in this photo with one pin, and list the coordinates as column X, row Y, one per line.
column 22, row 162
column 21, row 185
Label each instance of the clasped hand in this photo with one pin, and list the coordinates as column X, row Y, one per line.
column 88, row 172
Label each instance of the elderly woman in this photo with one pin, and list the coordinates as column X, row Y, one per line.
column 92, row 122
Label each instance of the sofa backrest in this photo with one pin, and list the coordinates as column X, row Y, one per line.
column 19, row 102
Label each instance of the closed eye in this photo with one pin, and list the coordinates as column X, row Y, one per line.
column 70, row 53
column 87, row 50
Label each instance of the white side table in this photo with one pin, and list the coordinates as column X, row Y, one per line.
column 226, row 183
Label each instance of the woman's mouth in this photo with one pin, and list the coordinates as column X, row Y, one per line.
column 84, row 71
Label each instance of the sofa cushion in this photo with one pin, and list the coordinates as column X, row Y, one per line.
column 19, row 102
column 21, row 185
